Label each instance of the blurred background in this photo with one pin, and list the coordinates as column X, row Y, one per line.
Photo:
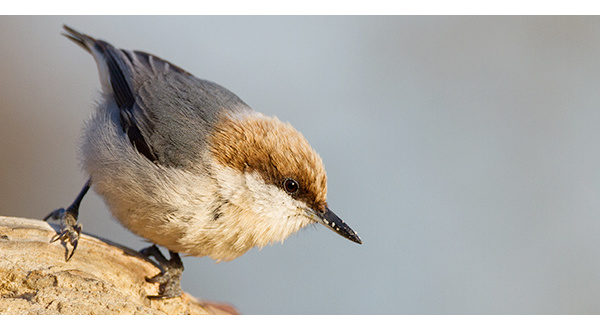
column 462, row 149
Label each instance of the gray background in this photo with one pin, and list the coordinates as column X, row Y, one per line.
column 462, row 149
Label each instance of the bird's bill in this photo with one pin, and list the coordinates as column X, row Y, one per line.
column 333, row 222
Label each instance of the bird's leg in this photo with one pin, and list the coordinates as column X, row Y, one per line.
column 169, row 279
column 70, row 229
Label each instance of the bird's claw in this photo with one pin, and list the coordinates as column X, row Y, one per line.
column 169, row 279
column 169, row 284
column 70, row 229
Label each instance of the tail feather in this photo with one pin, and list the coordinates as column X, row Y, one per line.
column 82, row 40
column 101, row 52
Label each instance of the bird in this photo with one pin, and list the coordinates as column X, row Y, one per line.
column 187, row 165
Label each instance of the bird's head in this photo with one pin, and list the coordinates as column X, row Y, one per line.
column 272, row 176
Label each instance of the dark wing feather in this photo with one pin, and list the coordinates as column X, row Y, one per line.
column 124, row 98
column 121, row 89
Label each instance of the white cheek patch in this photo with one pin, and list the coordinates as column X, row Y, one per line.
column 270, row 200
column 280, row 214
column 265, row 213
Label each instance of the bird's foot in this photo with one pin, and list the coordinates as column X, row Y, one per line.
column 169, row 279
column 70, row 229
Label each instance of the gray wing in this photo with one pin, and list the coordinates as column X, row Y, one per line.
column 165, row 111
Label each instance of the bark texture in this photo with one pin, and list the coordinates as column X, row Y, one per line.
column 101, row 278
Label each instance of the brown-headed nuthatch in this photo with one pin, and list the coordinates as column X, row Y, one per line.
column 186, row 164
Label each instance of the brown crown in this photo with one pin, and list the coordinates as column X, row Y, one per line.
column 276, row 151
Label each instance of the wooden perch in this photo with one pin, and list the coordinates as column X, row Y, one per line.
column 101, row 278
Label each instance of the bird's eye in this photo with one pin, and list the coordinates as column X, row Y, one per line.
column 290, row 185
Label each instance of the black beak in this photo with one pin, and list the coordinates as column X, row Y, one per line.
column 333, row 222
